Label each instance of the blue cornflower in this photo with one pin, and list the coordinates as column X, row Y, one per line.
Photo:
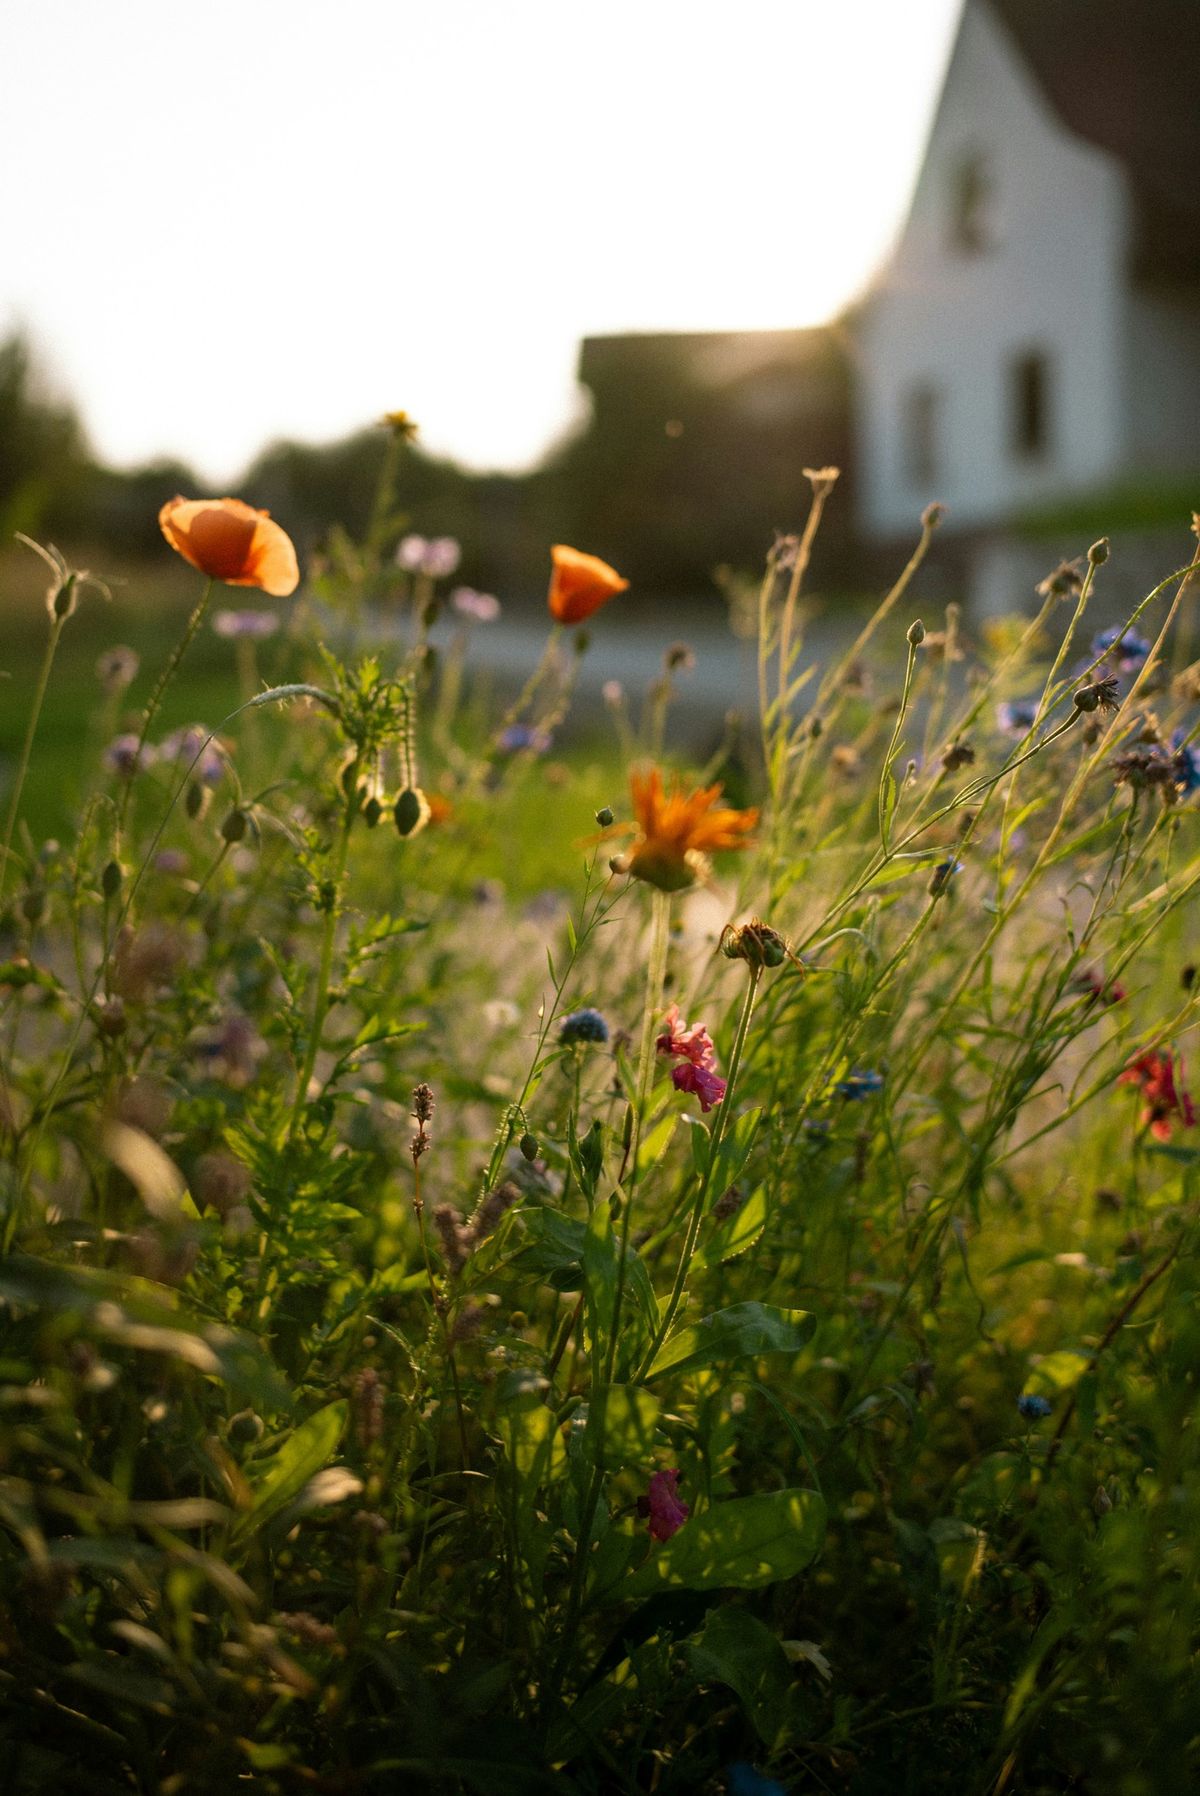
column 1185, row 760
column 1033, row 1407
column 744, row 1780
column 1125, row 649
column 943, row 873
column 858, row 1085
column 583, row 1025
column 524, row 735
column 1016, row 717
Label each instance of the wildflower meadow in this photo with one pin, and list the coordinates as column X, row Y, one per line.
column 536, row 1262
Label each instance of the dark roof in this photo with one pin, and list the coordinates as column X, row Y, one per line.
column 1125, row 75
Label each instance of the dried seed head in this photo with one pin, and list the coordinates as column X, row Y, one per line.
column 1100, row 695
column 422, row 1102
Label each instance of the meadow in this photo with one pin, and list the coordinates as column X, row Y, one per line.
column 538, row 1269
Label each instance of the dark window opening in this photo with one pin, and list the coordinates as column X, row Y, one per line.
column 920, row 435
column 972, row 206
column 1030, row 401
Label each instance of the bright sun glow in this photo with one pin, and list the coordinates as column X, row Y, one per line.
column 277, row 217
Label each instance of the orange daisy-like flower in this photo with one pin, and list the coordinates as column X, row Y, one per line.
column 676, row 831
column 580, row 584
column 230, row 541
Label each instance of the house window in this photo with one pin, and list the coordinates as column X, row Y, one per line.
column 1029, row 405
column 920, row 428
column 972, row 219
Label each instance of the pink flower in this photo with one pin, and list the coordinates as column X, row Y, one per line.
column 661, row 1504
column 688, row 1041
column 707, row 1085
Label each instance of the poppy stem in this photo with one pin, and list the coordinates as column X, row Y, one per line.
column 156, row 697
column 332, row 912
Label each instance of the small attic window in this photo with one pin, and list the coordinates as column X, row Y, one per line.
column 972, row 222
column 1029, row 405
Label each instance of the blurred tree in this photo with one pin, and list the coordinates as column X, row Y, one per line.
column 43, row 451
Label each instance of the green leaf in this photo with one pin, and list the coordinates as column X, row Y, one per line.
column 626, row 1416
column 279, row 1479
column 737, row 1649
column 1057, row 1372
column 531, row 1439
column 734, row 1151
column 741, row 1332
column 737, row 1233
column 743, row 1544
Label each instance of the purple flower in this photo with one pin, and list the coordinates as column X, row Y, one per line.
column 1185, row 759
column 481, row 607
column 520, row 736
column 943, row 873
column 1125, row 649
column 583, row 1025
column 183, row 746
column 436, row 556
column 1033, row 1407
column 248, row 626
column 172, row 861
column 122, row 758
column 1016, row 717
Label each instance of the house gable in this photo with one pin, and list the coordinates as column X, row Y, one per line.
column 990, row 349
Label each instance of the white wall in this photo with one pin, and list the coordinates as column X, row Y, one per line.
column 1053, row 281
column 1163, row 382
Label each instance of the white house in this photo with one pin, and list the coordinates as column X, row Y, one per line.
column 1036, row 333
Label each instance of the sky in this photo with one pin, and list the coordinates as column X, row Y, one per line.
column 248, row 219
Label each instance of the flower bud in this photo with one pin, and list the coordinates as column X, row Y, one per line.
column 916, row 633
column 193, row 804
column 33, row 904
column 111, row 878
column 372, row 812
column 604, row 816
column 63, row 601
column 933, row 514
column 234, row 826
column 1098, row 553
column 528, row 1145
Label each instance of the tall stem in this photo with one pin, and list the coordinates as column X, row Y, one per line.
column 325, row 967
column 156, row 697
column 14, row 803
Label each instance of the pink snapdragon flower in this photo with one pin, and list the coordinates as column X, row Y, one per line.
column 693, row 1047
column 662, row 1506
column 687, row 1041
column 701, row 1081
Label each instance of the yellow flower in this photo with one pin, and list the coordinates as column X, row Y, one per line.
column 230, row 541
column 404, row 426
column 676, row 831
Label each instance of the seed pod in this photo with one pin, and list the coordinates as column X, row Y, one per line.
column 528, row 1145
column 111, row 879
column 235, row 825
column 411, row 812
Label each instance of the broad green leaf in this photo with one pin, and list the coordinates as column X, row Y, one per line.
column 734, row 1151
column 735, row 1648
column 531, row 1439
column 279, row 1479
column 1057, row 1372
column 626, row 1417
column 741, row 1332
column 743, row 1544
column 737, row 1233
column 655, row 1144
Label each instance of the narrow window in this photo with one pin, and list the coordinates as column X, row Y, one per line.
column 1029, row 379
column 972, row 205
column 920, row 435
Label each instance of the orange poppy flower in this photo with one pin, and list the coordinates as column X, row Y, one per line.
column 677, row 831
column 580, row 584
column 230, row 541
